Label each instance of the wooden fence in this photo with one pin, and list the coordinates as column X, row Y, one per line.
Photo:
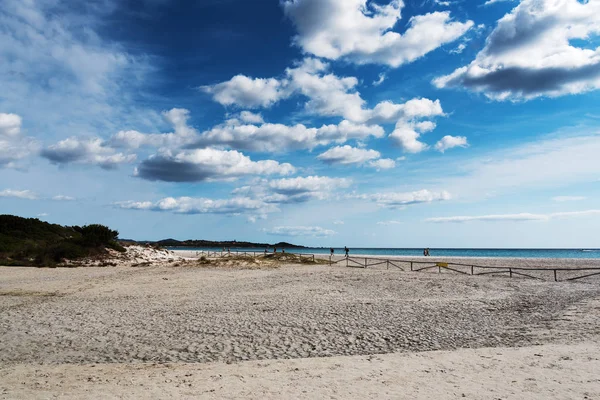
column 228, row 253
column 541, row 273
column 557, row 274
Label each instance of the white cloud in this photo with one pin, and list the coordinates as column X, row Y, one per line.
column 92, row 151
column 449, row 142
column 459, row 49
column 19, row 194
column 182, row 134
column 251, row 118
column 206, row 165
column 490, row 2
column 414, row 109
column 382, row 163
column 61, row 76
column 406, row 135
column 391, row 222
column 10, row 125
column 191, row 205
column 247, row 92
column 395, row 200
column 348, row 155
column 562, row 199
column 330, row 95
column 63, row 198
column 516, row 217
column 269, row 137
column 531, row 53
column 363, row 32
column 382, row 77
column 42, row 215
column 315, row 231
column 293, row 190
column 300, row 189
column 13, row 146
column 338, row 222
column 398, row 200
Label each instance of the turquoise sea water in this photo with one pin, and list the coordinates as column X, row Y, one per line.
column 521, row 253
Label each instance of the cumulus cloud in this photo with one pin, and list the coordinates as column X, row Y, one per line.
column 300, row 189
column 328, row 94
column 516, row 217
column 407, row 134
column 315, row 231
column 19, row 194
column 10, row 125
column 363, row 32
column 382, row 163
column 348, row 155
column 93, row 151
column 182, row 133
column 247, row 92
column 191, row 205
column 331, row 95
column 268, row 137
column 13, row 146
column 449, row 142
column 206, row 165
column 293, row 190
column 532, row 52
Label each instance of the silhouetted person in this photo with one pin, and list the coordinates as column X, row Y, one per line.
column 346, row 250
column 424, row 252
column 274, row 250
column 331, row 251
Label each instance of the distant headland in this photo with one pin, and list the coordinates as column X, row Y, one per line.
column 216, row 244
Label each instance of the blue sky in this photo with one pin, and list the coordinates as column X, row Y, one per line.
column 319, row 122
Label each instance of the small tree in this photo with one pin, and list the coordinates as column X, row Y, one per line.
column 98, row 235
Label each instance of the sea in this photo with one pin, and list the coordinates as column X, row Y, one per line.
column 516, row 253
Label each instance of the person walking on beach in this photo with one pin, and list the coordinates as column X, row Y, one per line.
column 346, row 250
column 331, row 251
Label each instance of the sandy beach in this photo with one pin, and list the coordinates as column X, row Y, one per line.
column 177, row 328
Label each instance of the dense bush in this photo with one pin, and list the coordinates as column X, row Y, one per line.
column 28, row 240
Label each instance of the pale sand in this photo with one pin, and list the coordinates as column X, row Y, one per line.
column 360, row 328
column 540, row 372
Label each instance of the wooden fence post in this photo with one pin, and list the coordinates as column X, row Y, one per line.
column 346, row 261
column 411, row 268
column 472, row 270
column 555, row 278
column 387, row 264
column 510, row 272
column 365, row 262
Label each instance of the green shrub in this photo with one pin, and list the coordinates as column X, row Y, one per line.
column 97, row 235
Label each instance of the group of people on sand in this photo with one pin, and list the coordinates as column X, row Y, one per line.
column 346, row 250
column 426, row 252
